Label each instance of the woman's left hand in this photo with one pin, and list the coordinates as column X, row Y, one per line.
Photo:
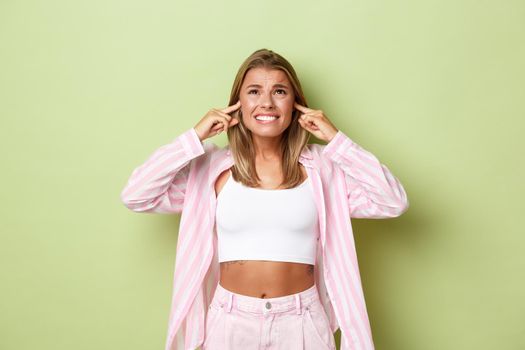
column 314, row 121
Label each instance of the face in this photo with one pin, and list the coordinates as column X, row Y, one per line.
column 266, row 92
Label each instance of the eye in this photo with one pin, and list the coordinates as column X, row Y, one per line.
column 282, row 91
column 250, row 91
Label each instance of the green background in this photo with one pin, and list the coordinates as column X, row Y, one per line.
column 88, row 90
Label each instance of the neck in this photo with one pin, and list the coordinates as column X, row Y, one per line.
column 267, row 148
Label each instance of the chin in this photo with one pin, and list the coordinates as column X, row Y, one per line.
column 267, row 133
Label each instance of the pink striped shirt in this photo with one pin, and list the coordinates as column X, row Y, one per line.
column 348, row 182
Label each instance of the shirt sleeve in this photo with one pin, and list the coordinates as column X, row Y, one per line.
column 159, row 184
column 372, row 190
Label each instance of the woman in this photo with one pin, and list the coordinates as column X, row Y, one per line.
column 265, row 253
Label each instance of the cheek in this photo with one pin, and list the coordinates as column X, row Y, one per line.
column 286, row 105
column 245, row 110
column 247, row 106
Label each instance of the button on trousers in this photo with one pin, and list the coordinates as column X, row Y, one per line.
column 291, row 322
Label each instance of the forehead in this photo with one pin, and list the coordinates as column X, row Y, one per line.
column 265, row 76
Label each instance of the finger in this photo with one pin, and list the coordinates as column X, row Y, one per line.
column 221, row 126
column 219, row 120
column 231, row 108
column 227, row 119
column 310, row 121
column 310, row 128
column 222, row 114
column 304, row 125
column 223, row 123
column 302, row 108
column 302, row 122
column 226, row 122
column 307, row 116
column 217, row 125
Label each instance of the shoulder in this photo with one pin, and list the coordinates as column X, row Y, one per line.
column 212, row 154
column 315, row 148
column 210, row 147
column 326, row 156
column 336, row 148
column 315, row 152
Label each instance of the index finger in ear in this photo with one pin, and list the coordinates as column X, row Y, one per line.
column 302, row 108
column 232, row 108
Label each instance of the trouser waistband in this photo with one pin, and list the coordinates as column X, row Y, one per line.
column 225, row 297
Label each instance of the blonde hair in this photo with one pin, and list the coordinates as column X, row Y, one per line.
column 293, row 139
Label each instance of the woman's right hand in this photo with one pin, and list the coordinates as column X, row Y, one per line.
column 216, row 121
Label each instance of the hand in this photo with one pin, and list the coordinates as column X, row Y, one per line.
column 216, row 121
column 316, row 122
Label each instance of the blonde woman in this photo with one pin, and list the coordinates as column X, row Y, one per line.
column 265, row 253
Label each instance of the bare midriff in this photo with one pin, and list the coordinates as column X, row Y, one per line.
column 266, row 279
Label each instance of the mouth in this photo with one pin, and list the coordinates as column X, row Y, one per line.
column 266, row 118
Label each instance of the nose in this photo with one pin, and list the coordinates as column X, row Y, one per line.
column 266, row 100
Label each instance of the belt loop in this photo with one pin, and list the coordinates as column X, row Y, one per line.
column 298, row 303
column 230, row 302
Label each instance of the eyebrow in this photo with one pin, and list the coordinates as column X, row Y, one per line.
column 276, row 85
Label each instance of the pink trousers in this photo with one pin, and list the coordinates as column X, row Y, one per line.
column 291, row 322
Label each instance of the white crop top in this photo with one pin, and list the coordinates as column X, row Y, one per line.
column 262, row 224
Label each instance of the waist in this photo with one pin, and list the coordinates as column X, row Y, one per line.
column 224, row 296
column 261, row 278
